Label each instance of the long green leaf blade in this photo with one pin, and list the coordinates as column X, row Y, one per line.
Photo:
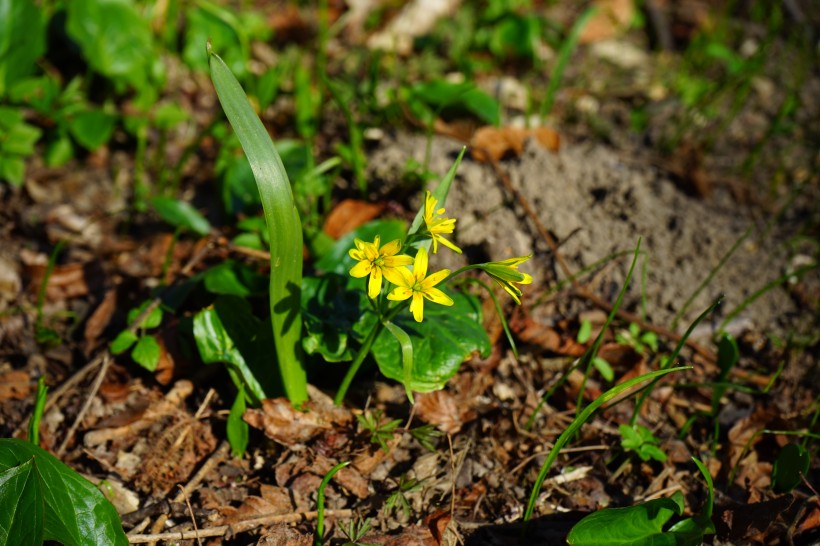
column 284, row 226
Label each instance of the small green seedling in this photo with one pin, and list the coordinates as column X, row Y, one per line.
column 37, row 413
column 642, row 342
column 381, row 431
column 145, row 349
column 355, row 530
column 642, row 442
column 603, row 367
column 398, row 499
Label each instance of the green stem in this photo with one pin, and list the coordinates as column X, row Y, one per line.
column 363, row 352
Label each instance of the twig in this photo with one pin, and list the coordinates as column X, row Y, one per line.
column 240, row 527
column 191, row 511
column 106, row 363
column 578, row 288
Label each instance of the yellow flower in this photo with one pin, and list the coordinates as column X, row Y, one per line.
column 378, row 262
column 437, row 224
column 505, row 273
column 414, row 284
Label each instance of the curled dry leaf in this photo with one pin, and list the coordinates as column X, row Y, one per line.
column 494, row 143
column 272, row 500
column 278, row 419
column 100, row 318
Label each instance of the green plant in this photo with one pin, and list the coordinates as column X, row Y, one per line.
column 355, row 530
column 381, row 431
column 642, row 342
column 640, row 440
column 17, row 139
column 398, row 498
column 145, row 349
column 642, row 524
column 284, row 227
column 320, row 503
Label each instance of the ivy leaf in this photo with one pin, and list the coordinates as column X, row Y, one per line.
column 21, row 506
column 75, row 512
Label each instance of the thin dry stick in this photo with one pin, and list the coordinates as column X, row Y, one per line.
column 191, row 511
column 106, row 362
column 240, row 527
column 581, row 290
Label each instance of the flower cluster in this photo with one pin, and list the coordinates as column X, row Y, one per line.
column 385, row 262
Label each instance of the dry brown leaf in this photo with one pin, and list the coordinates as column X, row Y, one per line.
column 494, row 143
column 64, row 282
column 272, row 500
column 611, row 19
column 281, row 422
column 284, row 535
column 15, row 385
column 546, row 337
column 350, row 214
column 440, row 408
column 100, row 318
column 348, row 477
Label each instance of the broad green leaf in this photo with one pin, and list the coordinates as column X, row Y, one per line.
column 603, row 368
column 146, row 352
column 229, row 333
column 792, row 461
column 237, row 429
column 639, row 525
column 115, row 40
column 76, row 512
column 181, row 214
column 442, row 94
column 123, row 341
column 234, row 279
column 441, row 342
column 19, row 139
column 284, row 227
column 59, row 151
column 330, row 311
column 22, row 40
column 21, row 506
column 339, row 261
column 91, row 128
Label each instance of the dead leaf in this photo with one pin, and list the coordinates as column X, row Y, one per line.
column 546, row 337
column 494, row 143
column 284, row 535
column 443, row 528
column 735, row 521
column 100, row 318
column 441, row 409
column 612, row 18
column 348, row 477
column 272, row 500
column 65, row 281
column 350, row 214
column 281, row 422
column 15, row 385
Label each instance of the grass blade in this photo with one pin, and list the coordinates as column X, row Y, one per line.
column 284, row 226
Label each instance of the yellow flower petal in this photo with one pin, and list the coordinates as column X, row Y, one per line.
column 361, row 269
column 437, row 296
column 391, row 248
column 397, row 261
column 434, row 279
column 420, row 264
column 400, row 293
column 417, row 306
column 374, row 286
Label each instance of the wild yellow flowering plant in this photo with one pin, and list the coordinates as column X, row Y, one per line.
column 425, row 347
column 374, row 294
